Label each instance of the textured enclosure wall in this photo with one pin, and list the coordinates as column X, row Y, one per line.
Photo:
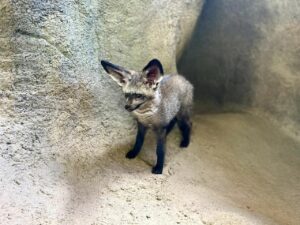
column 247, row 52
column 62, row 120
column 56, row 102
column 50, row 75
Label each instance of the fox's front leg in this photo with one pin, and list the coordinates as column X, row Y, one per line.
column 161, row 134
column 138, row 142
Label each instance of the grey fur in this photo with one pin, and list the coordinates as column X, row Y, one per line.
column 155, row 100
column 173, row 97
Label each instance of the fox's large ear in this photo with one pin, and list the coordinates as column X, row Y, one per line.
column 117, row 73
column 153, row 71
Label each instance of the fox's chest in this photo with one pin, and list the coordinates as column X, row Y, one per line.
column 153, row 119
column 148, row 120
column 159, row 113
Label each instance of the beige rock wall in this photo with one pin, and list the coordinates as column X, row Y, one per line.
column 247, row 53
column 62, row 119
column 58, row 108
column 50, row 52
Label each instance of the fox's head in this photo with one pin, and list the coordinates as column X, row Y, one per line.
column 140, row 87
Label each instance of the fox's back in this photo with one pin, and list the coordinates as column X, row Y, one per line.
column 176, row 96
column 176, row 86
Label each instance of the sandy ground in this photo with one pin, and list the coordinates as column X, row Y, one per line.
column 238, row 170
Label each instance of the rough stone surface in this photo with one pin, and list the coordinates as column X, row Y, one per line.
column 247, row 52
column 50, row 52
column 58, row 108
column 64, row 133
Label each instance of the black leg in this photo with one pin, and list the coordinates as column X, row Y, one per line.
column 185, row 127
column 138, row 142
column 161, row 134
column 171, row 125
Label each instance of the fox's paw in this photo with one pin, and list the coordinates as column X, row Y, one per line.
column 184, row 143
column 157, row 170
column 131, row 154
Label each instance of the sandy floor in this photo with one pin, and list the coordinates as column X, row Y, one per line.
column 238, row 169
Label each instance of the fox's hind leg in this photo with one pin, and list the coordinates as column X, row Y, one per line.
column 185, row 126
column 138, row 142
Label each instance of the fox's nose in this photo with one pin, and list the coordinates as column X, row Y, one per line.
column 127, row 107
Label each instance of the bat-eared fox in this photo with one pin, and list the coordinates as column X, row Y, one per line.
column 158, row 102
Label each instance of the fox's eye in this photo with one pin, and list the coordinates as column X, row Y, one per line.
column 139, row 96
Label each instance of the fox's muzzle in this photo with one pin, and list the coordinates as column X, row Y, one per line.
column 130, row 108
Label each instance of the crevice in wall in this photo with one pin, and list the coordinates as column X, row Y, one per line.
column 217, row 59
